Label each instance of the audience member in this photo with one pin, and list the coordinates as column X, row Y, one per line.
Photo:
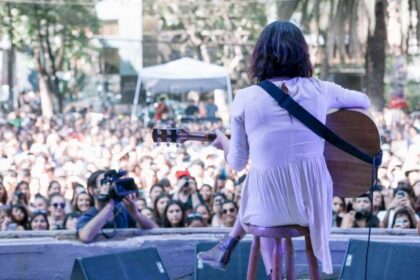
column 39, row 221
column 56, row 208
column 229, row 213
column 41, row 157
column 174, row 214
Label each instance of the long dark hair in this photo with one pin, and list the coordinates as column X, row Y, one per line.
column 160, row 218
column 280, row 51
column 25, row 220
column 166, row 222
column 3, row 199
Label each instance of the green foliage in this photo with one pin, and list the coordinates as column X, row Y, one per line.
column 55, row 35
column 412, row 94
column 221, row 32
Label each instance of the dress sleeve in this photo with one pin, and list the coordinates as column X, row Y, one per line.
column 238, row 154
column 339, row 97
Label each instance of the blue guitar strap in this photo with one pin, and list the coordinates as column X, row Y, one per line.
column 300, row 113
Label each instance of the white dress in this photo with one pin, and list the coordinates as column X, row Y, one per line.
column 288, row 182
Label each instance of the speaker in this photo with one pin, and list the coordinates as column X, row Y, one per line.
column 141, row 264
column 237, row 267
column 386, row 260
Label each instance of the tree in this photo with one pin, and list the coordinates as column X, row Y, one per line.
column 8, row 29
column 54, row 35
column 375, row 57
column 221, row 32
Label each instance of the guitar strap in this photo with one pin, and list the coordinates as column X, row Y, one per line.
column 300, row 113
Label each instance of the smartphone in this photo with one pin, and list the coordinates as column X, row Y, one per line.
column 400, row 194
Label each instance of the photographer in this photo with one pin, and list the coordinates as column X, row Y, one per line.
column 107, row 211
column 186, row 191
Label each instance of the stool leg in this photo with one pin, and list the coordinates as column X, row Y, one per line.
column 312, row 261
column 290, row 260
column 277, row 261
column 253, row 259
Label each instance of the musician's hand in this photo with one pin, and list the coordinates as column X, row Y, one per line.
column 221, row 141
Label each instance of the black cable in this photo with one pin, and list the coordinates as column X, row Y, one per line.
column 114, row 228
column 373, row 182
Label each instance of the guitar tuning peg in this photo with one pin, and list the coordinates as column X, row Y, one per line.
column 167, row 144
column 177, row 145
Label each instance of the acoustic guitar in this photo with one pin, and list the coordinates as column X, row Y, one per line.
column 351, row 176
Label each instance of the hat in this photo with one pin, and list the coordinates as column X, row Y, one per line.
column 182, row 173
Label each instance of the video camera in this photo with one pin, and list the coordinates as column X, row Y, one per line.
column 119, row 187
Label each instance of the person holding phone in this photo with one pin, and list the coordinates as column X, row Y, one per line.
column 186, row 191
column 403, row 197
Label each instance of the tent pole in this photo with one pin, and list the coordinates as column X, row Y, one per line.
column 136, row 99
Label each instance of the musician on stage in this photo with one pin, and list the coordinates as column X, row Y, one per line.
column 288, row 182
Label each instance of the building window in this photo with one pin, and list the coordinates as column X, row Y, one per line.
column 109, row 28
column 110, row 61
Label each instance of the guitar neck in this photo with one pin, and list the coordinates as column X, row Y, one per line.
column 203, row 136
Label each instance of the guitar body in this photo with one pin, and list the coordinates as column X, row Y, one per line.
column 351, row 177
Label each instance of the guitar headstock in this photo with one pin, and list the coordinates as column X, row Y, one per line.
column 169, row 135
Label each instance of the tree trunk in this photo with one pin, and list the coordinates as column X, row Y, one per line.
column 11, row 60
column 417, row 3
column 55, row 86
column 271, row 11
column 46, row 97
column 285, row 9
column 375, row 58
column 355, row 52
column 305, row 20
column 341, row 19
column 327, row 53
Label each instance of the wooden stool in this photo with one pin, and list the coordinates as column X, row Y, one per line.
column 278, row 233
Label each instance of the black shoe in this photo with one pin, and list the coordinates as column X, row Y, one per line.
column 218, row 257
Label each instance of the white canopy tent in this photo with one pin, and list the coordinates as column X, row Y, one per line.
column 182, row 76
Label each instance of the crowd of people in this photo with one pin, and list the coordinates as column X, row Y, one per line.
column 45, row 166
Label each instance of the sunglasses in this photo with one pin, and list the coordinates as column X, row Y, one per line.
column 231, row 210
column 56, row 205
